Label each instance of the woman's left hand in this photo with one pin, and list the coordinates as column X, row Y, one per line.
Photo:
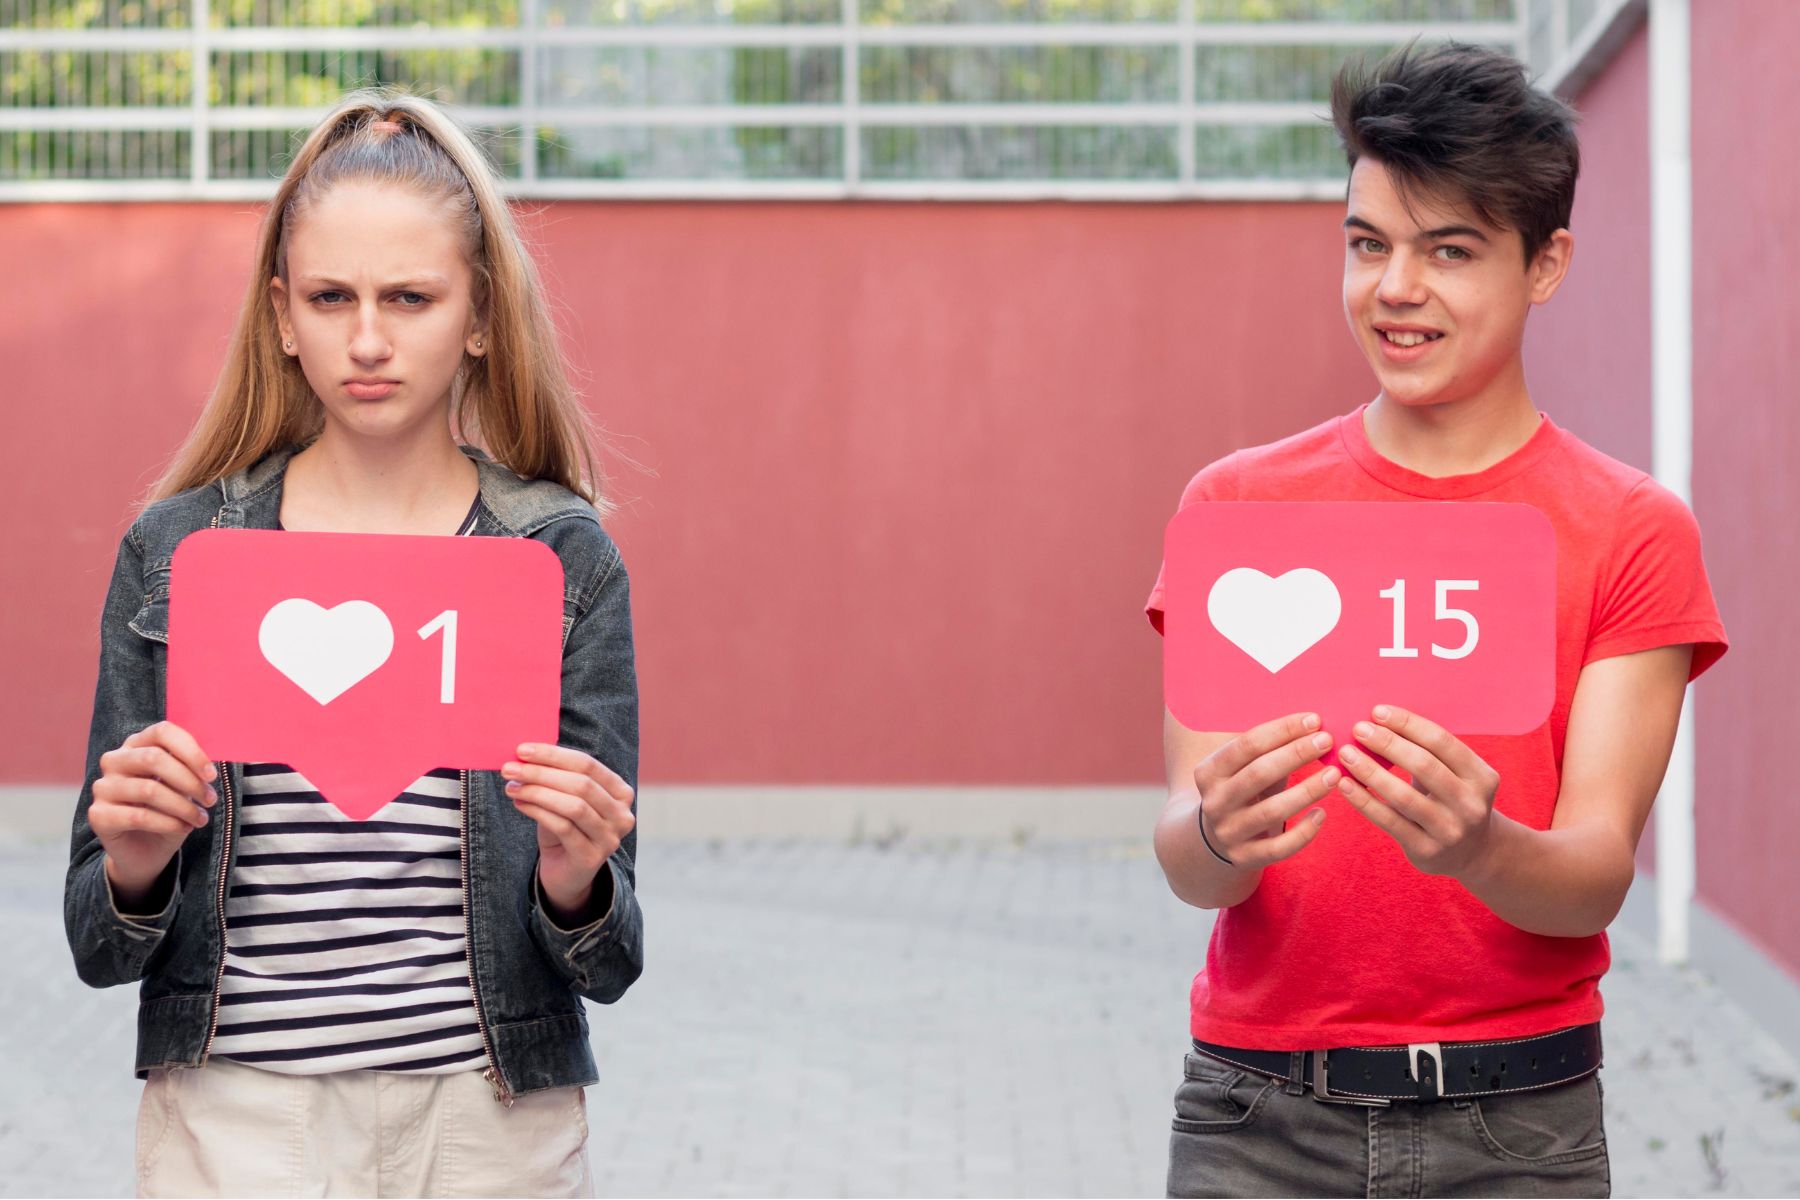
column 1443, row 818
column 583, row 812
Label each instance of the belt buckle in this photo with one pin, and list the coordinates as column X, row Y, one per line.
column 1322, row 1093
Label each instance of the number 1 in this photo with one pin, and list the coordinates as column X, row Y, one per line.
column 1397, row 594
column 446, row 621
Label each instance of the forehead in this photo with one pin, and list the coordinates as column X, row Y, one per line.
column 360, row 228
column 1375, row 198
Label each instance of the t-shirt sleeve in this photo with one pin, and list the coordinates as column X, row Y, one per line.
column 1215, row 482
column 1654, row 592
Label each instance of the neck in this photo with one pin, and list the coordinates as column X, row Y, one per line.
column 1457, row 437
column 385, row 482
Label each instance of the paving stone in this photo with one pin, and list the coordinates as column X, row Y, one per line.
column 820, row 1020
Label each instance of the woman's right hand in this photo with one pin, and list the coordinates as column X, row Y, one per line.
column 152, row 792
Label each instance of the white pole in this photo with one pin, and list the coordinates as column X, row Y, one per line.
column 1672, row 418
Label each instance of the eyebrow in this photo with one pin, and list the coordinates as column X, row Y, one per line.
column 437, row 281
column 1447, row 231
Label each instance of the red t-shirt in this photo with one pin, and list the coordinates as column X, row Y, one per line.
column 1349, row 944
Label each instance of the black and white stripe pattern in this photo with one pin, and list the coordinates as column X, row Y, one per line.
column 345, row 940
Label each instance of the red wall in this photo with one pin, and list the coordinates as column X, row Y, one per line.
column 1746, row 445
column 909, row 464
column 1592, row 368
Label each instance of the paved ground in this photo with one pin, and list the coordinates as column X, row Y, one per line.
column 826, row 1019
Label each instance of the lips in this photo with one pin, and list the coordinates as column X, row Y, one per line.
column 1422, row 340
column 363, row 390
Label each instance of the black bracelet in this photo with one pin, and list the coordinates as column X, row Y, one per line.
column 1200, row 819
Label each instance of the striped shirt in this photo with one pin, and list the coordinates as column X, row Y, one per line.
column 346, row 941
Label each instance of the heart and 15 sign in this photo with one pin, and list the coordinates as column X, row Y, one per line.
column 364, row 660
column 1447, row 609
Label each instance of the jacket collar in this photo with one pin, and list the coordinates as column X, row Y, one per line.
column 519, row 506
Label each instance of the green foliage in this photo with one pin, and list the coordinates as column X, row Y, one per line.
column 725, row 76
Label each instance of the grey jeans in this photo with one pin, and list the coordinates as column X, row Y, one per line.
column 1237, row 1133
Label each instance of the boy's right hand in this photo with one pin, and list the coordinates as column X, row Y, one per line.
column 152, row 792
column 1244, row 801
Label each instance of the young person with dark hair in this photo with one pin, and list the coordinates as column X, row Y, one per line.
column 1407, row 1003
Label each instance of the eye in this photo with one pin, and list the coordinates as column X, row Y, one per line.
column 318, row 297
column 422, row 300
column 1367, row 245
column 1457, row 253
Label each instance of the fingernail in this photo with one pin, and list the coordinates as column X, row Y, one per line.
column 1345, row 788
column 212, row 797
column 203, row 817
column 1318, row 817
column 528, row 749
column 1312, row 720
column 1322, row 741
column 512, row 785
column 1347, row 754
column 1364, row 730
column 1382, row 712
column 212, row 772
column 1332, row 775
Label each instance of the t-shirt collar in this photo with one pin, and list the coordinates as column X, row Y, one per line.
column 1449, row 487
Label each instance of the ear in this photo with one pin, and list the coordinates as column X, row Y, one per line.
column 1551, row 265
column 278, row 297
column 477, row 343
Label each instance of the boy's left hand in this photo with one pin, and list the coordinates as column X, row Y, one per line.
column 583, row 812
column 1443, row 818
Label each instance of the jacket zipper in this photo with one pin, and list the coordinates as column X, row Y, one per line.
column 502, row 1093
column 212, row 1029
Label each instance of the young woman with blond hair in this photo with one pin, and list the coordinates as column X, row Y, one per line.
column 390, row 1007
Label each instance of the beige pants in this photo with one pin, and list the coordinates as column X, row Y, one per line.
column 231, row 1130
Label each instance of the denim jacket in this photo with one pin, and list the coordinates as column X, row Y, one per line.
column 528, row 974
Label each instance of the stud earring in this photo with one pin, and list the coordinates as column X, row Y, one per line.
column 289, row 345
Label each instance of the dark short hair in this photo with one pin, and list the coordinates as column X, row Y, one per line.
column 1463, row 123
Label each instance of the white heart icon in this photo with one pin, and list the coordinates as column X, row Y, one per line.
column 326, row 652
column 1274, row 621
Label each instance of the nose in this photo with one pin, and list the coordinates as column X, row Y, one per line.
column 1403, row 282
column 369, row 344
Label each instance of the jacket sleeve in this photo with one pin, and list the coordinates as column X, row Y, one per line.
column 111, row 947
column 600, row 716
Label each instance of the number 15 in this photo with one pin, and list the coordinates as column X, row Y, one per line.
column 1397, row 594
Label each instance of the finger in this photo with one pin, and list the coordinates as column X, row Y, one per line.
column 1263, row 851
column 1279, row 809
column 1252, row 744
column 585, row 832
column 1445, row 746
column 573, row 782
column 136, row 791
column 1424, row 766
column 154, row 762
column 133, row 818
column 180, row 743
column 1274, row 768
column 1412, row 839
column 570, row 759
column 1420, row 810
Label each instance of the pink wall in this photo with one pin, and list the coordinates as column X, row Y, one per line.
column 1746, row 444
column 911, row 463
column 1593, row 365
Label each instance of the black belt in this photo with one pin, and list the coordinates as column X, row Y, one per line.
column 1425, row 1070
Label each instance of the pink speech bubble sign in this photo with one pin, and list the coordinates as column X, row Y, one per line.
column 364, row 660
column 1250, row 634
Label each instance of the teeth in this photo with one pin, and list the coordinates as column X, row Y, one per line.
column 1409, row 339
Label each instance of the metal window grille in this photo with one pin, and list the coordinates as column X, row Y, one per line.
column 1101, row 99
